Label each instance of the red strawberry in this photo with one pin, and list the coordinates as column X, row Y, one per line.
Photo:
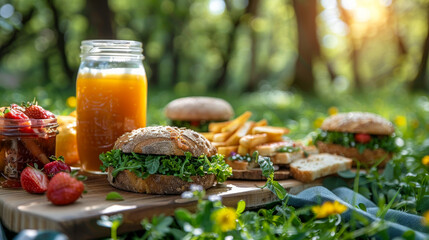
column 12, row 113
column 55, row 167
column 34, row 180
column 64, row 189
column 37, row 112
column 362, row 138
column 17, row 107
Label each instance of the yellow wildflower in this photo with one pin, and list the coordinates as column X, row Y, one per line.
column 71, row 102
column 425, row 160
column 225, row 218
column 425, row 219
column 333, row 111
column 339, row 208
column 328, row 208
column 318, row 122
column 400, row 121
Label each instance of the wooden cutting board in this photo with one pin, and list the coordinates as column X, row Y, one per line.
column 256, row 174
column 20, row 210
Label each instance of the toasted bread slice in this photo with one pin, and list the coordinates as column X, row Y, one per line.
column 237, row 165
column 310, row 150
column 319, row 165
column 368, row 157
column 286, row 158
column 270, row 149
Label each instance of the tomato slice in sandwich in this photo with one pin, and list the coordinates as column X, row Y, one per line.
column 362, row 138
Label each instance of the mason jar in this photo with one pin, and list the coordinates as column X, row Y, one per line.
column 111, row 92
column 23, row 143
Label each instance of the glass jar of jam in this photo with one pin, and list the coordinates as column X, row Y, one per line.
column 111, row 93
column 23, row 143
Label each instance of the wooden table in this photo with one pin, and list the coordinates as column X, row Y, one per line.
column 21, row 210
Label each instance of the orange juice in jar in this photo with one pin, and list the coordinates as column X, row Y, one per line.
column 111, row 97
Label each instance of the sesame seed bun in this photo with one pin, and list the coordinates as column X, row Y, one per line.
column 358, row 122
column 165, row 140
column 198, row 109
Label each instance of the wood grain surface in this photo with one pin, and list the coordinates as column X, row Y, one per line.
column 256, row 174
column 21, row 210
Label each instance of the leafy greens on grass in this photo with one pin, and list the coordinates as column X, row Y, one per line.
column 180, row 166
column 268, row 171
column 348, row 140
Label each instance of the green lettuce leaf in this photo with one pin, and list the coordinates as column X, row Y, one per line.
column 388, row 143
column 180, row 166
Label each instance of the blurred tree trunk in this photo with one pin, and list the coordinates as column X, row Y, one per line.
column 355, row 51
column 420, row 82
column 220, row 83
column 308, row 44
column 252, row 10
column 61, row 42
column 100, row 17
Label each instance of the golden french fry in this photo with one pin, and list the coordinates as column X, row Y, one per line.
column 250, row 141
column 236, row 123
column 216, row 127
column 218, row 144
column 226, row 151
column 221, row 137
column 261, row 123
column 242, row 150
column 208, row 135
column 274, row 133
column 270, row 130
column 234, row 139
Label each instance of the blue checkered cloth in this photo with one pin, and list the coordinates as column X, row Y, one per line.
column 398, row 222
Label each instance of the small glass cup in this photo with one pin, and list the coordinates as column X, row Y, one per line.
column 23, row 143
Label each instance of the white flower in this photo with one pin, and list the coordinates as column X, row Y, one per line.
column 197, row 231
column 187, row 194
column 214, row 198
column 195, row 187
